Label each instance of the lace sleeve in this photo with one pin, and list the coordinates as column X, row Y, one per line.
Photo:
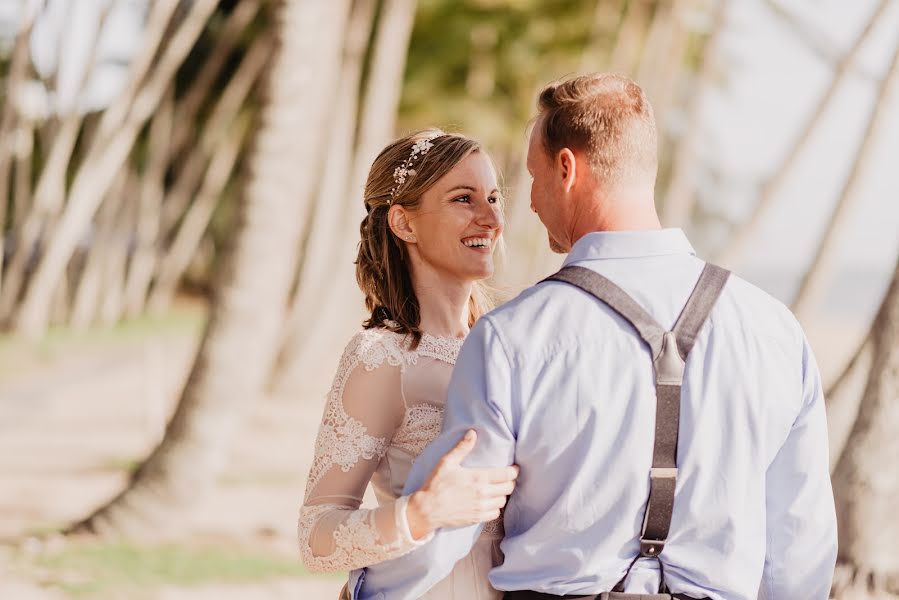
column 363, row 409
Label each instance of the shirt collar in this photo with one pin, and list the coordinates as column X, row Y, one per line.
column 629, row 244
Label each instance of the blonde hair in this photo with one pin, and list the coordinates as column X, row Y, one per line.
column 606, row 116
column 382, row 267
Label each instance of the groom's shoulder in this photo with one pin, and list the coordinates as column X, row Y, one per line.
column 553, row 305
column 753, row 314
column 543, row 301
column 746, row 300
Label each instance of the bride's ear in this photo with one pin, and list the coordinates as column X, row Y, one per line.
column 397, row 218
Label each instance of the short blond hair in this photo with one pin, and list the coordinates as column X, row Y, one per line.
column 606, row 116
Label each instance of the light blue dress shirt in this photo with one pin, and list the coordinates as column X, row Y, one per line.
column 557, row 383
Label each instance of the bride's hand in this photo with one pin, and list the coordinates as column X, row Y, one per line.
column 455, row 496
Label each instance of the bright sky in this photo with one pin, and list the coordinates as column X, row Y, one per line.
column 775, row 81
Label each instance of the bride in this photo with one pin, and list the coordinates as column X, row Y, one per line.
column 434, row 219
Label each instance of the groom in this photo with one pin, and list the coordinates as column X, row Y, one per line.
column 667, row 446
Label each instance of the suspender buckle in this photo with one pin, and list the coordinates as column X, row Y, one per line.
column 651, row 548
column 663, row 473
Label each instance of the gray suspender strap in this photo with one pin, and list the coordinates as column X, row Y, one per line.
column 698, row 306
column 669, row 350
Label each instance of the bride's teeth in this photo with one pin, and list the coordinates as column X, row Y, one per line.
column 485, row 243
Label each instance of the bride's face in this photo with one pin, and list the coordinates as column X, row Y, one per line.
column 456, row 227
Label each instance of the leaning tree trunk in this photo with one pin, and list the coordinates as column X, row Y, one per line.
column 775, row 182
column 631, row 36
column 18, row 69
column 866, row 480
column 327, row 219
column 247, row 311
column 178, row 256
column 117, row 132
column 844, row 396
column 311, row 337
column 149, row 202
column 826, row 256
column 680, row 196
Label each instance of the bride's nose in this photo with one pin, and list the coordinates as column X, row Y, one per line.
column 489, row 216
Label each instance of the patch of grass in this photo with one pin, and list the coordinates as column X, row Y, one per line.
column 17, row 354
column 119, row 464
column 45, row 530
column 88, row 571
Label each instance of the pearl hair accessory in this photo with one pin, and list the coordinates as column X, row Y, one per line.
column 402, row 172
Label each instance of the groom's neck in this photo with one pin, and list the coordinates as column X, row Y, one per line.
column 621, row 209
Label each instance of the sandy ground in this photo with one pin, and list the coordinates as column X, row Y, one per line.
column 72, row 424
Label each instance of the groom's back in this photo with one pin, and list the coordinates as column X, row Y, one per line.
column 584, row 412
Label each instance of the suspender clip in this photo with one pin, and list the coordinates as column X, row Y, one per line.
column 663, row 473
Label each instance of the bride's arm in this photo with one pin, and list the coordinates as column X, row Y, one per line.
column 363, row 410
column 361, row 415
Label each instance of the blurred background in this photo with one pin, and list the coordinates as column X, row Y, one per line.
column 180, row 196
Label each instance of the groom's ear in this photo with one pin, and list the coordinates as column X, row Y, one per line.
column 567, row 168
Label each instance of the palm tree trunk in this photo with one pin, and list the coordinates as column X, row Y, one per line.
column 669, row 69
column 196, row 221
column 189, row 105
column 215, row 132
column 50, row 190
column 102, row 162
column 657, row 44
column 775, row 182
column 90, row 282
column 152, row 190
column 112, row 296
column 843, row 398
column 606, row 22
column 247, row 311
column 865, row 480
column 381, row 102
column 819, row 271
column 680, row 196
column 328, row 212
column 18, row 69
column 631, row 37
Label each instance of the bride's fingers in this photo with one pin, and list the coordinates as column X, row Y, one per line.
column 462, row 449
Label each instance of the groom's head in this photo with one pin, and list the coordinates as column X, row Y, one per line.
column 593, row 157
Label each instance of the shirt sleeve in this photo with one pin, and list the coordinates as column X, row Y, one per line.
column 479, row 398
column 801, row 519
column 363, row 410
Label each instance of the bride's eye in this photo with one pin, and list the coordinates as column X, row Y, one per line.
column 493, row 199
column 465, row 198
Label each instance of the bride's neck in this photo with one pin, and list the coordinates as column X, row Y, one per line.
column 443, row 303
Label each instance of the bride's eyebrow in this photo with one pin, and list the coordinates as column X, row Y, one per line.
column 460, row 187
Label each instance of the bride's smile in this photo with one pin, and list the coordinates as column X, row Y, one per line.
column 458, row 223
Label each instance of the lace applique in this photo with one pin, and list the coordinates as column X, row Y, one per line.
column 494, row 528
column 356, row 541
column 420, row 427
column 308, row 516
column 343, row 440
column 441, row 348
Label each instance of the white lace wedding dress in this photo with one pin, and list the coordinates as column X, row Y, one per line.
column 384, row 407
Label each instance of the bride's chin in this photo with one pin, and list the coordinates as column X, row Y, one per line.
column 478, row 273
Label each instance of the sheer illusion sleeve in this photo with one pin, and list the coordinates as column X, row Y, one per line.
column 363, row 409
